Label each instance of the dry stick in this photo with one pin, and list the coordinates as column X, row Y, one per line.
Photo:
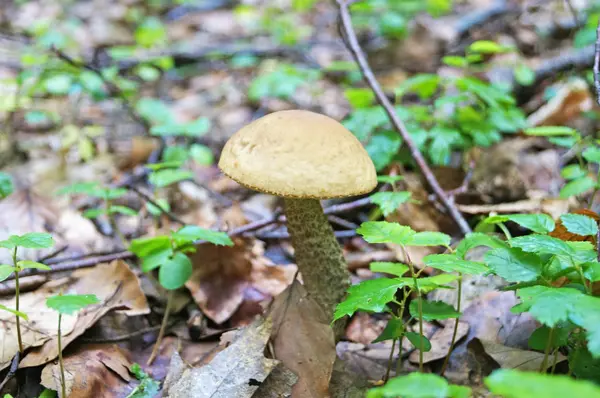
column 163, row 328
column 148, row 199
column 416, row 154
column 597, row 64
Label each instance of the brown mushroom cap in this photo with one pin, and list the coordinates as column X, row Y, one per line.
column 298, row 154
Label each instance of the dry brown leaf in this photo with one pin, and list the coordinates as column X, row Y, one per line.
column 117, row 287
column 440, row 342
column 363, row 328
column 303, row 340
column 225, row 277
column 95, row 370
column 571, row 99
column 552, row 207
column 515, row 358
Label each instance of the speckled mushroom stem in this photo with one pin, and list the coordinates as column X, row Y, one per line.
column 318, row 254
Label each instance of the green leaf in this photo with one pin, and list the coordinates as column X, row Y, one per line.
column 6, row 271
column 33, row 240
column 143, row 247
column 511, row 383
column 540, row 223
column 542, row 244
column 359, row 97
column 476, row 239
column 14, row 312
column 548, row 305
column 456, row 61
column 147, row 388
column 150, row 32
column 70, row 303
column 560, row 336
column 414, row 385
column 423, row 84
column 486, row 47
column 430, row 283
column 58, row 84
column 397, row 269
column 572, row 172
column 591, row 270
column 524, row 75
column 452, row 263
column 577, row 186
column 27, row 264
column 174, row 273
column 156, row 259
column 155, row 111
column 389, row 179
column 385, row 232
column 514, row 264
column 393, row 330
column 392, row 24
column 389, row 202
column 592, row 154
column 370, row 295
column 202, row 155
column 584, row 365
column 382, row 147
column 126, row 211
column 7, row 244
column 418, row 341
column 433, row 310
column 198, row 127
column 191, row 233
column 165, row 177
column 157, row 211
column 93, row 213
column 88, row 188
column 429, row 239
column 6, row 185
column 550, row 131
column 579, row 224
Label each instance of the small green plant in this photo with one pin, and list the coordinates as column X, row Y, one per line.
column 32, row 240
column 168, row 254
column 66, row 305
column 389, row 201
column 7, row 185
column 147, row 388
column 281, row 81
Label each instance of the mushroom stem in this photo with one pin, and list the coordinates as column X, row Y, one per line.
column 318, row 254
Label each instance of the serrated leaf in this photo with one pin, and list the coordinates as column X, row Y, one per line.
column 577, row 186
column 6, row 271
column 542, row 244
column 514, row 384
column 175, row 272
column 393, row 330
column 70, row 303
column 385, row 232
column 548, row 305
column 514, row 264
column 14, row 312
column 370, row 295
column 429, row 238
column 591, row 271
column 540, row 223
column 414, row 385
column 26, row 264
column 476, row 239
column 579, row 224
column 451, row 263
column 397, row 269
column 191, row 233
column 389, row 202
column 418, row 341
column 33, row 240
column 430, row 283
column 433, row 310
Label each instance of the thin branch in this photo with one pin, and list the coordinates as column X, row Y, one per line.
column 14, row 366
column 597, row 64
column 361, row 59
column 148, row 199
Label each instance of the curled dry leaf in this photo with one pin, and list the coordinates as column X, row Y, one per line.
column 95, row 370
column 515, row 358
column 303, row 340
column 116, row 286
column 570, row 101
column 225, row 277
column 237, row 371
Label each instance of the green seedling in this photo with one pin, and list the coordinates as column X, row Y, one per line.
column 32, row 240
column 66, row 305
column 167, row 253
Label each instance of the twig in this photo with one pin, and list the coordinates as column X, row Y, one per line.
column 597, row 63
column 483, row 16
column 55, row 253
column 148, row 199
column 286, row 235
column 361, row 59
column 343, row 207
column 14, row 366
column 341, row 222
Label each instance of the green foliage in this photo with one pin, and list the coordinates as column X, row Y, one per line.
column 70, row 303
column 396, row 269
column 419, row 385
column 148, row 387
column 281, row 82
column 511, row 383
column 14, row 312
column 540, row 223
column 433, row 310
column 579, row 224
column 6, row 185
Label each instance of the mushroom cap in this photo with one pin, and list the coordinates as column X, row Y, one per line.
column 298, row 154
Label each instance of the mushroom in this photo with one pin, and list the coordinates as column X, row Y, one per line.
column 303, row 157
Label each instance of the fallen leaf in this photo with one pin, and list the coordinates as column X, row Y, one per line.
column 552, row 207
column 515, row 358
column 363, row 328
column 223, row 277
column 303, row 340
column 94, row 370
column 237, row 371
column 114, row 284
column 278, row 384
column 572, row 98
column 440, row 342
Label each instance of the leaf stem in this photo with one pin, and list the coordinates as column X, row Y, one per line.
column 554, row 361
column 389, row 365
column 163, row 327
column 419, row 305
column 544, row 365
column 455, row 332
column 18, row 323
column 505, row 230
column 63, row 382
